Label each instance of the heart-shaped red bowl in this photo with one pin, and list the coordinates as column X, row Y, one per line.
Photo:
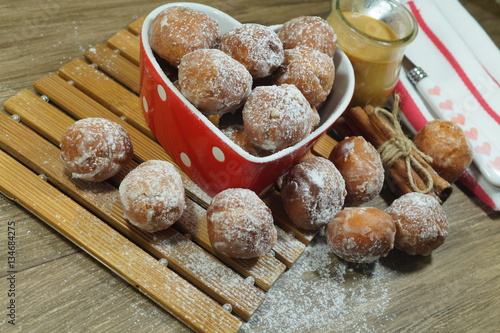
column 205, row 154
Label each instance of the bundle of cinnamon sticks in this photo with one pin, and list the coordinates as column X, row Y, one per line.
column 409, row 171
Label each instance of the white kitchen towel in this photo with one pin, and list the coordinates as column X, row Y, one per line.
column 462, row 60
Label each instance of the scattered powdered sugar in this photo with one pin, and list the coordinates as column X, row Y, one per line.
column 321, row 293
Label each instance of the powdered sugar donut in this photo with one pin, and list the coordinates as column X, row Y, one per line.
column 213, row 81
column 178, row 30
column 240, row 225
column 256, row 46
column 95, row 149
column 312, row 31
column 421, row 223
column 310, row 70
column 152, row 195
column 313, row 191
column 360, row 165
column 361, row 234
column 276, row 117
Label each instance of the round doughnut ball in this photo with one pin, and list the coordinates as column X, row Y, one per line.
column 256, row 46
column 276, row 117
column 236, row 134
column 310, row 70
column 179, row 30
column 313, row 191
column 312, row 31
column 360, row 165
column 95, row 149
column 240, row 225
column 213, row 81
column 152, row 195
column 421, row 223
column 447, row 144
column 361, row 234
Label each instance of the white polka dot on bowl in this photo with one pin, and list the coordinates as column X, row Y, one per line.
column 218, row 154
column 185, row 159
column 161, row 92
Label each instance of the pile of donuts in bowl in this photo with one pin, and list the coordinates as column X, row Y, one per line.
column 238, row 107
column 221, row 111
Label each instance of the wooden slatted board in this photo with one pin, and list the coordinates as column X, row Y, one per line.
column 177, row 268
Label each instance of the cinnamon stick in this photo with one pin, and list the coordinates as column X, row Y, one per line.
column 441, row 187
column 361, row 123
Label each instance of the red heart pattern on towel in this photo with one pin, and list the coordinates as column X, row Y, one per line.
column 459, row 119
column 434, row 91
column 484, row 149
column 495, row 164
column 472, row 133
column 446, row 105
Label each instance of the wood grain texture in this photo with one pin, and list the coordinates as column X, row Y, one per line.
column 120, row 255
column 62, row 289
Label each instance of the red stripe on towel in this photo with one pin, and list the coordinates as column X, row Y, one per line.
column 409, row 108
column 453, row 62
column 468, row 180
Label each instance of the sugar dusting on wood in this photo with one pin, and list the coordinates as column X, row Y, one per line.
column 321, row 293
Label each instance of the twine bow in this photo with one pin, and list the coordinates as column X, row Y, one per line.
column 400, row 146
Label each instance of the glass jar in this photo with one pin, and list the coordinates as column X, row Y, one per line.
column 374, row 35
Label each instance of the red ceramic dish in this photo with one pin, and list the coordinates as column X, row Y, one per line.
column 205, row 154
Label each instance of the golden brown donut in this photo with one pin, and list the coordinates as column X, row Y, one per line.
column 312, row 192
column 360, row 165
column 312, row 31
column 361, row 234
column 421, row 223
column 276, row 117
column 152, row 195
column 240, row 225
column 256, row 46
column 447, row 144
column 213, row 81
column 310, row 70
column 95, row 149
column 178, row 30
column 237, row 134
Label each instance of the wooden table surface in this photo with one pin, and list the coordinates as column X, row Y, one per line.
column 59, row 288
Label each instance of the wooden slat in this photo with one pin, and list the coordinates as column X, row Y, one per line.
column 264, row 270
column 109, row 247
column 324, row 146
column 79, row 106
column 128, row 45
column 115, row 65
column 288, row 248
column 106, row 91
column 103, row 200
column 135, row 26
